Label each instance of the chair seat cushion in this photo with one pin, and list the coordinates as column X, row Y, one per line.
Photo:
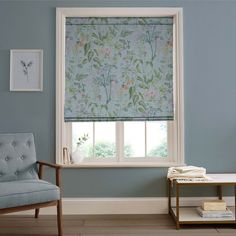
column 27, row 192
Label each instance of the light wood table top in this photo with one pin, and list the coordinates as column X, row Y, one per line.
column 222, row 179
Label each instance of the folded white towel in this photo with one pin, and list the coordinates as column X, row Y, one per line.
column 187, row 172
column 189, row 169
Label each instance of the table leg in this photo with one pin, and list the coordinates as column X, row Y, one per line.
column 177, row 206
column 219, row 192
column 235, row 202
column 169, row 195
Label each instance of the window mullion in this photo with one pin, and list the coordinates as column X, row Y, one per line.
column 119, row 141
column 145, row 138
column 94, row 139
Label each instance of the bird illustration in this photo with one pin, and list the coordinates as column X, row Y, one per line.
column 26, row 67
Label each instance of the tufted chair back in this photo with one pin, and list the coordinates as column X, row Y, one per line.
column 17, row 157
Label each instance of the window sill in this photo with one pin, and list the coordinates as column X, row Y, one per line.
column 122, row 165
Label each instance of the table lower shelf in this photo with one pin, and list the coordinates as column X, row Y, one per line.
column 189, row 215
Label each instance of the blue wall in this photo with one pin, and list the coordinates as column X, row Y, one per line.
column 210, row 92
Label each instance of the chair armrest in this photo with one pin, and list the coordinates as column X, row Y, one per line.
column 55, row 166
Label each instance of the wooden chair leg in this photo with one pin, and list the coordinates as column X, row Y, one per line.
column 59, row 218
column 36, row 213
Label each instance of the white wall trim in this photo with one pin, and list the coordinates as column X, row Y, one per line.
column 115, row 206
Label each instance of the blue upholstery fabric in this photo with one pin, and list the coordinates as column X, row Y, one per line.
column 19, row 182
column 26, row 192
column 17, row 157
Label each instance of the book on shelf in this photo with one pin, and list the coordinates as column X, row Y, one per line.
column 214, row 205
column 215, row 214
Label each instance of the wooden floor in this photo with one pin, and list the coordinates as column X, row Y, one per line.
column 140, row 225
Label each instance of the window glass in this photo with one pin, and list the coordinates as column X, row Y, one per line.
column 97, row 140
column 82, row 137
column 134, row 139
column 105, row 141
column 156, row 139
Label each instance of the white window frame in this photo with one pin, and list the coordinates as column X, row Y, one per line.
column 120, row 145
column 175, row 128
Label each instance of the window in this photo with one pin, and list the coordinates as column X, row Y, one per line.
column 136, row 140
column 122, row 143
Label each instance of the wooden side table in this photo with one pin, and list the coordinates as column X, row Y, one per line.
column 189, row 215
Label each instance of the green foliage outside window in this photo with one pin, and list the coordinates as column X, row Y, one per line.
column 107, row 149
column 159, row 151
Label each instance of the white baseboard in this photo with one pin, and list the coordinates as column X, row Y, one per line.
column 112, row 206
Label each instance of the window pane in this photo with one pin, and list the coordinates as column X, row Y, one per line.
column 79, row 131
column 102, row 143
column 134, row 139
column 105, row 139
column 157, row 139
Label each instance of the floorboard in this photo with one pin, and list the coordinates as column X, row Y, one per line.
column 115, row 225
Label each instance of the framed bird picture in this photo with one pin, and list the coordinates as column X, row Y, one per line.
column 26, row 70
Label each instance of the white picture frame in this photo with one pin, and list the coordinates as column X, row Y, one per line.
column 26, row 70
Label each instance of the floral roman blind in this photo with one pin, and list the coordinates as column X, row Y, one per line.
column 119, row 69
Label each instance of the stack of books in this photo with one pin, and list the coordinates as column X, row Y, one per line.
column 214, row 209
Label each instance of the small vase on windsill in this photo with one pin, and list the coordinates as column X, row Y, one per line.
column 77, row 156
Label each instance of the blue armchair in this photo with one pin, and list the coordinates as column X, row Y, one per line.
column 21, row 186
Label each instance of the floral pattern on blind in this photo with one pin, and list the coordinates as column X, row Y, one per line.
column 119, row 69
